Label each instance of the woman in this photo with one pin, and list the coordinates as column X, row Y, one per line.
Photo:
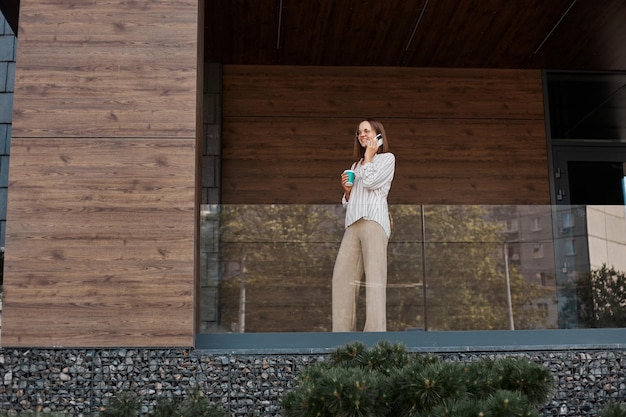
column 363, row 248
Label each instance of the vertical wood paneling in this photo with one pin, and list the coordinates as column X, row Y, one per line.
column 461, row 136
column 101, row 211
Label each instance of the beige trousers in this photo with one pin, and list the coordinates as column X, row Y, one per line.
column 363, row 250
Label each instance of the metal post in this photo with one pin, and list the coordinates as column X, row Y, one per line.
column 242, row 296
column 509, row 303
column 424, row 287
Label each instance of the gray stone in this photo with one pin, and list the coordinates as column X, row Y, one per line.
column 79, row 381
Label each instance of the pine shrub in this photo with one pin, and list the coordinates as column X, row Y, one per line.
column 125, row 404
column 613, row 410
column 387, row 381
column 194, row 404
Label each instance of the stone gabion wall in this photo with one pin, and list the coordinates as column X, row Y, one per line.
column 80, row 381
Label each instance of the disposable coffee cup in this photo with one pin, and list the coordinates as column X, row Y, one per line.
column 350, row 177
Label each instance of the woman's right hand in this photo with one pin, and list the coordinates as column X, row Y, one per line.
column 346, row 188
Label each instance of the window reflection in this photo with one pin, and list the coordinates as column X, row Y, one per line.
column 268, row 268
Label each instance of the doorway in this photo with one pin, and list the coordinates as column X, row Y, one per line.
column 593, row 175
column 587, row 136
column 587, row 140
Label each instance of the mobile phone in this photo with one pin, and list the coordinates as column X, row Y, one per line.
column 380, row 139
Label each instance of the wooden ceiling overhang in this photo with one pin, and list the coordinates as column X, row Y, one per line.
column 586, row 35
column 578, row 35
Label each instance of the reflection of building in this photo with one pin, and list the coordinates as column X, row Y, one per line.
column 606, row 232
column 553, row 246
column 571, row 258
column 586, row 237
column 537, row 256
column 528, row 231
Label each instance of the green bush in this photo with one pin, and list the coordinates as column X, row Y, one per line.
column 613, row 410
column 389, row 381
column 600, row 295
column 126, row 404
column 194, row 404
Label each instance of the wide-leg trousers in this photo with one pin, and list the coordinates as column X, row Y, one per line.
column 363, row 251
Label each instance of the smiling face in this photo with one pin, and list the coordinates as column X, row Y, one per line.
column 365, row 133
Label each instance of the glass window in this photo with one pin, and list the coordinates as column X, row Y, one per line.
column 535, row 225
column 567, row 221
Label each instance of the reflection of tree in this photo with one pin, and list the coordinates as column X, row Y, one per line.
column 290, row 250
column 601, row 297
column 465, row 283
column 405, row 299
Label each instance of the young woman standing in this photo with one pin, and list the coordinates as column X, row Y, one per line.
column 363, row 250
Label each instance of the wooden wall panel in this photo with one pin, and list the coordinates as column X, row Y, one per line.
column 110, row 68
column 100, row 243
column 273, row 91
column 461, row 136
column 101, row 218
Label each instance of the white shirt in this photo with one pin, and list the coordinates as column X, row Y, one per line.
column 368, row 198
